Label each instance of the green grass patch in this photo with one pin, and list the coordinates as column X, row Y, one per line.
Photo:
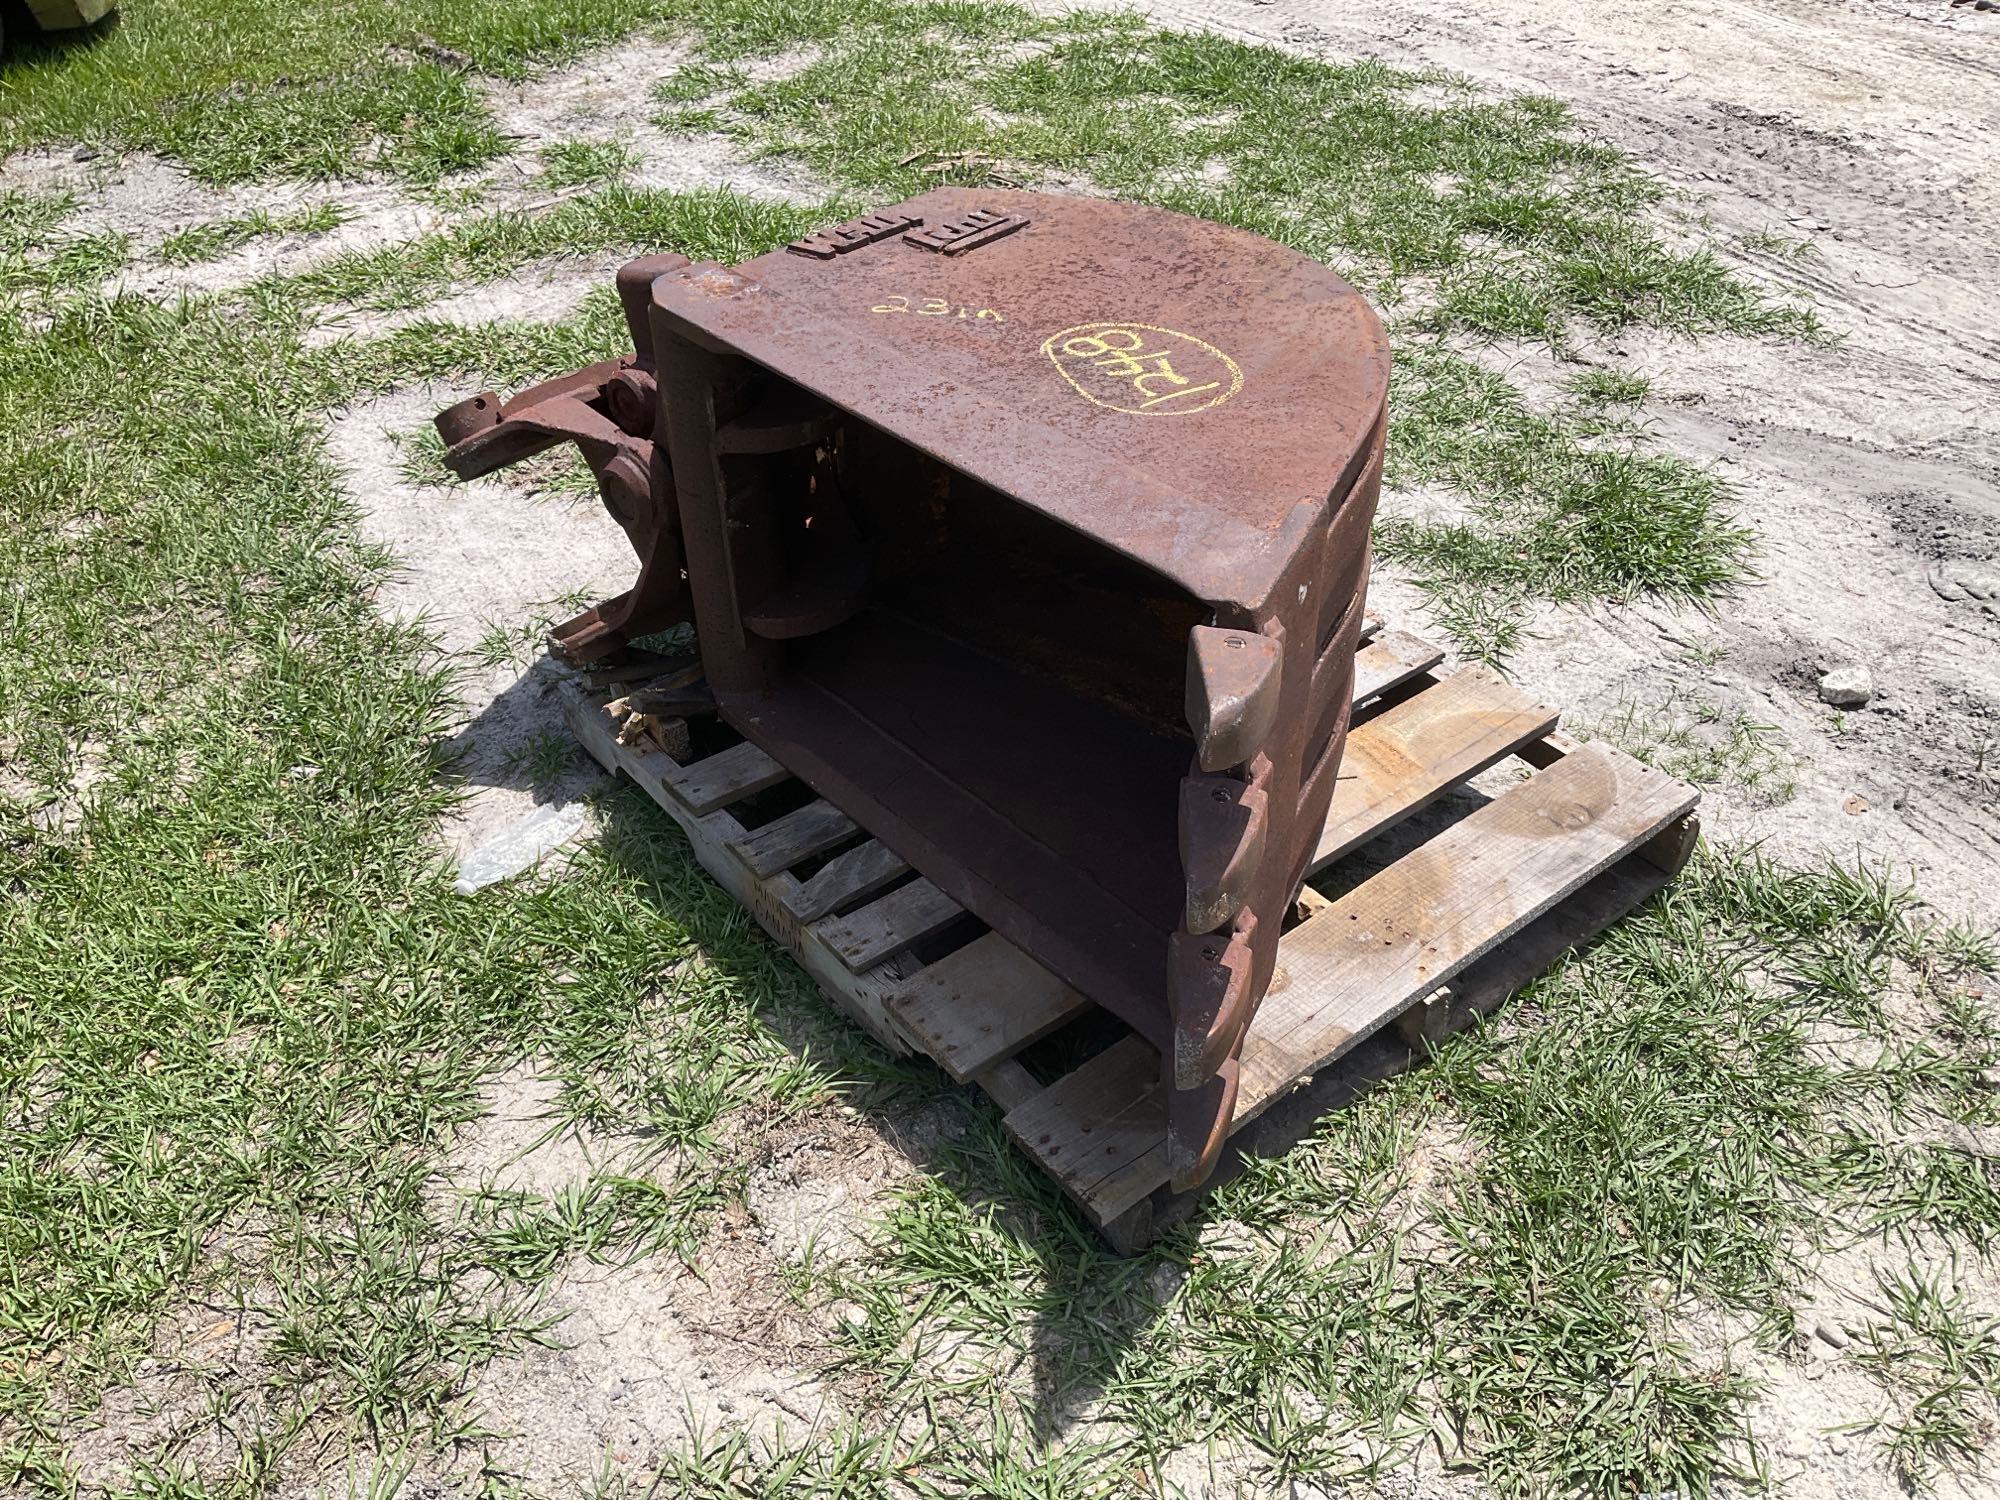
column 202, row 242
column 1689, row 735
column 585, row 163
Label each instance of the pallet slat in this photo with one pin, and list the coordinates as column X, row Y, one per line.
column 798, row 835
column 1389, row 661
column 888, row 925
column 860, row 995
column 1407, row 757
column 859, row 872
column 973, row 1008
column 1364, row 959
column 727, row 776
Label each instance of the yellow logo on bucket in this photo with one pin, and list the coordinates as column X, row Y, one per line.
column 1138, row 368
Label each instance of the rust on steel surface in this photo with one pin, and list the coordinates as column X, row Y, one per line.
column 609, row 410
column 1032, row 533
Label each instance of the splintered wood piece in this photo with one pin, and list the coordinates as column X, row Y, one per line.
column 973, row 1008
column 887, row 926
column 859, row 872
column 1365, row 958
column 1390, row 662
column 1408, row 756
column 653, row 732
column 798, row 835
column 728, row 776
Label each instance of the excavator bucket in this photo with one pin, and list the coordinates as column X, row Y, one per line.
column 1031, row 532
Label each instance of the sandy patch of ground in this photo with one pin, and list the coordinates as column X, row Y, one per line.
column 521, row 1143
column 477, row 555
column 194, row 1403
column 608, row 97
column 650, row 1356
column 822, row 1183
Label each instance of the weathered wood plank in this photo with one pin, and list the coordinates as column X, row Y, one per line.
column 859, row 872
column 1391, row 661
column 1409, row 928
column 1406, row 758
column 799, row 834
column 728, row 776
column 1096, row 1125
column 987, row 1001
column 887, row 926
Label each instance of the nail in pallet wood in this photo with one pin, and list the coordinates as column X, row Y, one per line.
column 1440, row 935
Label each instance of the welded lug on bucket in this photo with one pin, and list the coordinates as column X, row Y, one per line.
column 1032, row 533
column 610, row 410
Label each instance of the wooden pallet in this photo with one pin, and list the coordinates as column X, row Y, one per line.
column 1432, row 938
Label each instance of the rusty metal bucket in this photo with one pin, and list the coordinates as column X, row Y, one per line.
column 1032, row 532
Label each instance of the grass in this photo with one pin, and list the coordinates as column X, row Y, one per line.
column 580, row 163
column 243, row 1019
column 1941, row 1363
column 1691, row 736
column 203, row 242
column 235, row 994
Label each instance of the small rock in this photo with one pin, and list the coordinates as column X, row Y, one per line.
column 1847, row 686
column 1854, row 805
column 1955, row 582
column 1831, row 1333
column 1837, row 1443
column 850, row 1315
column 84, row 153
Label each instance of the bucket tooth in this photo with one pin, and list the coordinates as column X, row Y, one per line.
column 1210, row 992
column 1224, row 823
column 1198, row 1125
column 1233, row 681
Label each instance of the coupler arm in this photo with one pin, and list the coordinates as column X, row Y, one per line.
column 611, row 411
